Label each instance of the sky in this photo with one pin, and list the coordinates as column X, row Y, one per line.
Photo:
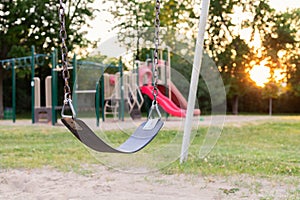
column 101, row 28
column 281, row 5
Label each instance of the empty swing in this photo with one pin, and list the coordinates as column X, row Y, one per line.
column 142, row 136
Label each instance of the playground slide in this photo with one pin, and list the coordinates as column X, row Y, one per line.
column 178, row 99
column 164, row 102
column 175, row 106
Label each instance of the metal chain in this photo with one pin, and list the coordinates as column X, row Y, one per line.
column 64, row 52
column 156, row 43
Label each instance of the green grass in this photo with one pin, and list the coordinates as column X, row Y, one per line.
column 37, row 146
column 270, row 148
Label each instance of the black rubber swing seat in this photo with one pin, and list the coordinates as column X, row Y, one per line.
column 137, row 141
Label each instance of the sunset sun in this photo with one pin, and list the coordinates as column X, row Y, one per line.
column 260, row 74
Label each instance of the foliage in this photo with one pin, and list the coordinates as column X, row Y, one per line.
column 230, row 52
column 280, row 41
column 290, row 59
column 35, row 22
column 271, row 90
column 32, row 22
column 135, row 20
column 23, row 23
column 232, row 65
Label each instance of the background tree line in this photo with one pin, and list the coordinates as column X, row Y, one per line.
column 35, row 22
column 232, row 53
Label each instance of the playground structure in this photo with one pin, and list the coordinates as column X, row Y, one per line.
column 114, row 93
column 30, row 62
column 41, row 112
column 169, row 97
column 48, row 112
column 137, row 83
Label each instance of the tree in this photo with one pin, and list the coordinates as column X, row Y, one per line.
column 135, row 20
column 233, row 63
column 278, row 35
column 230, row 51
column 35, row 22
column 270, row 92
column 289, row 55
column 280, row 50
column 224, row 44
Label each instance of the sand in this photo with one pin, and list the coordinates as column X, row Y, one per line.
column 104, row 184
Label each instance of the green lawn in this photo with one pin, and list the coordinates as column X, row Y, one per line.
column 38, row 146
column 269, row 148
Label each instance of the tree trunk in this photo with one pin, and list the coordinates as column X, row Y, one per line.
column 270, row 106
column 235, row 105
column 1, row 93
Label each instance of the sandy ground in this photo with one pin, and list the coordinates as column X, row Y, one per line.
column 104, row 184
column 109, row 185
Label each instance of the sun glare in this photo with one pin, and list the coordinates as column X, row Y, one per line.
column 260, row 74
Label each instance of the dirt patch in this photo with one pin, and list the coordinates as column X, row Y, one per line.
column 106, row 184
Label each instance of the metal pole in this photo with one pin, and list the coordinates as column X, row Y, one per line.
column 122, row 91
column 74, row 76
column 152, row 68
column 165, row 76
column 194, row 81
column 13, row 91
column 166, row 79
column 97, row 103
column 102, row 94
column 137, row 75
column 270, row 106
column 32, row 84
column 53, row 88
column 137, row 79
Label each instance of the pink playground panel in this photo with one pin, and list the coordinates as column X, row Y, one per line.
column 145, row 79
column 175, row 105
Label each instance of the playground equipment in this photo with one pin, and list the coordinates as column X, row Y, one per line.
column 111, row 105
column 143, row 134
column 47, row 111
column 43, row 112
column 25, row 62
column 169, row 97
column 38, row 113
column 112, row 97
column 86, row 91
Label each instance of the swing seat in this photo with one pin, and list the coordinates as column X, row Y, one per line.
column 143, row 135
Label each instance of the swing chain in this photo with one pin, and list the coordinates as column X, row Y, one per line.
column 64, row 53
column 65, row 64
column 156, row 43
column 155, row 65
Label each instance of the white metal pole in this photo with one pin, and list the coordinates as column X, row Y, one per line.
column 194, row 81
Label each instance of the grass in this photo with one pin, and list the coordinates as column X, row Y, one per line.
column 270, row 148
column 37, row 146
column 267, row 149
